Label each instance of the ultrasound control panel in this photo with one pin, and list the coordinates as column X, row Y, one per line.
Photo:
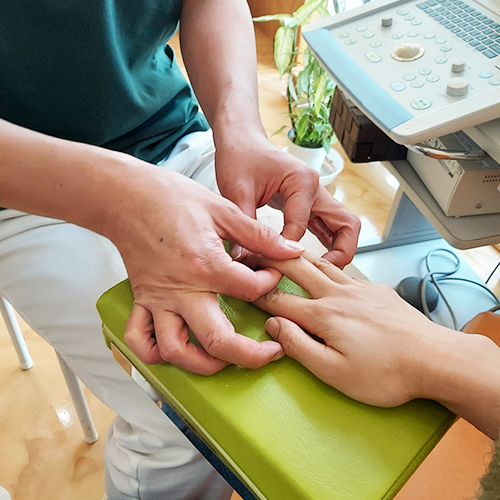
column 419, row 69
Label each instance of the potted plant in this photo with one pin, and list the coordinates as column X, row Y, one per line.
column 309, row 89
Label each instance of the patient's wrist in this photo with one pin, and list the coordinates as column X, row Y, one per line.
column 435, row 362
column 463, row 374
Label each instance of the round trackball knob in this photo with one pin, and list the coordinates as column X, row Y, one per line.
column 407, row 52
column 457, row 86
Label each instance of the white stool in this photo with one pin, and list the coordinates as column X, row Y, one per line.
column 4, row 494
column 74, row 386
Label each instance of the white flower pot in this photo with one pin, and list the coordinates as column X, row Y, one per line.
column 314, row 157
column 327, row 166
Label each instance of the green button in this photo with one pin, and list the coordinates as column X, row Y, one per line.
column 416, row 22
column 445, row 48
column 344, row 34
column 440, row 60
column 421, row 103
column 350, row 41
column 375, row 44
column 402, row 12
column 417, row 84
column 440, row 40
column 425, row 71
column 410, row 17
column 397, row 36
column 432, row 78
column 361, row 28
column 429, row 36
column 494, row 81
column 369, row 34
column 413, row 34
column 409, row 77
column 372, row 56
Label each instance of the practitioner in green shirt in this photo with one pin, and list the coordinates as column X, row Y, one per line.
column 90, row 100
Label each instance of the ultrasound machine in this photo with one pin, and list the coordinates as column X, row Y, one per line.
column 427, row 74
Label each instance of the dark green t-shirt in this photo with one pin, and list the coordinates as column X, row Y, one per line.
column 96, row 71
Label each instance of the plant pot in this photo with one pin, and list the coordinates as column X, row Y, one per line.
column 331, row 164
column 314, row 157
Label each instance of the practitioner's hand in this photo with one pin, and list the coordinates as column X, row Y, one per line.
column 378, row 349
column 253, row 173
column 172, row 245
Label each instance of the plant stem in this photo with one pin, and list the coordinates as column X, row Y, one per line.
column 289, row 98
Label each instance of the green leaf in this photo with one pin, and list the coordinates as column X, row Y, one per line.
column 323, row 12
column 307, row 57
column 331, row 86
column 320, row 93
column 292, row 94
column 304, row 82
column 273, row 17
column 303, row 13
column 283, row 48
column 289, row 22
column 317, row 69
column 278, row 131
column 325, row 112
column 301, row 129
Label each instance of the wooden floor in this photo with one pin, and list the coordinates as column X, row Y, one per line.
column 43, row 455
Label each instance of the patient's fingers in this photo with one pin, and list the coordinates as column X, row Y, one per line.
column 307, row 275
column 332, row 271
column 314, row 274
column 324, row 361
column 298, row 309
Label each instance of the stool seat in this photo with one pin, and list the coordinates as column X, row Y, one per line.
column 280, row 430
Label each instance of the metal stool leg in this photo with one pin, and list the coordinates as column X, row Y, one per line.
column 16, row 335
column 82, row 410
column 74, row 387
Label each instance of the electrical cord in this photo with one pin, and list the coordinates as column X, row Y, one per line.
column 492, row 273
column 494, row 308
column 435, row 277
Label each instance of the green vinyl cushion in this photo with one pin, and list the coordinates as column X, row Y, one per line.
column 283, row 432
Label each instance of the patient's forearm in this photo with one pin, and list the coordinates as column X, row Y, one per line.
column 466, row 379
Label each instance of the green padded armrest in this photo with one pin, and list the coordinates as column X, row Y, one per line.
column 283, row 432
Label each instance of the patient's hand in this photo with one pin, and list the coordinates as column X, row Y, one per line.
column 377, row 348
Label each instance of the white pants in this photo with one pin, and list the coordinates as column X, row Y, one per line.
column 53, row 273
